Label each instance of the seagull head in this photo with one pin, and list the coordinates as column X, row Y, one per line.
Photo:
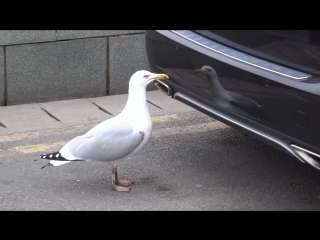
column 143, row 78
column 209, row 71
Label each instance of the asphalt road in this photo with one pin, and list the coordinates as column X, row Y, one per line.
column 191, row 163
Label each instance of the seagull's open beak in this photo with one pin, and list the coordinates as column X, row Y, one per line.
column 160, row 77
column 198, row 71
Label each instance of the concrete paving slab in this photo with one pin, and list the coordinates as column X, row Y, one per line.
column 26, row 117
column 115, row 104
column 57, row 114
column 75, row 111
column 112, row 104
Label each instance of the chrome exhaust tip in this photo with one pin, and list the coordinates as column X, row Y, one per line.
column 164, row 88
column 308, row 156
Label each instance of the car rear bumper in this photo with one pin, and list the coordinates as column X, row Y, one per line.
column 288, row 96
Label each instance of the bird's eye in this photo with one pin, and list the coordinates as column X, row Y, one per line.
column 146, row 76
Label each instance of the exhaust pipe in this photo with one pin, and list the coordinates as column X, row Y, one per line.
column 164, row 88
column 310, row 157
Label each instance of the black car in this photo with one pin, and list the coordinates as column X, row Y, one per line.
column 264, row 82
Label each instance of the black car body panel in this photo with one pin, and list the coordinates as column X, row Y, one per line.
column 266, row 83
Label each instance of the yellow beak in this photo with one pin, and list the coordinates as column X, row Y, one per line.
column 198, row 71
column 161, row 77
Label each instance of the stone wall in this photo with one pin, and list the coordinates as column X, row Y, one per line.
column 47, row 65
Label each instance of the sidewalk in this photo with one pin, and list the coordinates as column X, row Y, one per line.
column 59, row 114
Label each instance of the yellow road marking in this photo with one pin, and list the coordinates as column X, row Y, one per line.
column 197, row 128
column 42, row 133
column 164, row 118
column 202, row 127
column 38, row 148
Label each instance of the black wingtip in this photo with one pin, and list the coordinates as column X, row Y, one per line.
column 53, row 156
column 47, row 165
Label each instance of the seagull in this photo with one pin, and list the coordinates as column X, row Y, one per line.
column 234, row 99
column 114, row 138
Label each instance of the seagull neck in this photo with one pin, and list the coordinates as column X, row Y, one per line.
column 216, row 87
column 137, row 101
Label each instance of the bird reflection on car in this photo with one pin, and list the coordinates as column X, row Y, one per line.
column 231, row 100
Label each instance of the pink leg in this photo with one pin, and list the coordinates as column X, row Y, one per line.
column 120, row 186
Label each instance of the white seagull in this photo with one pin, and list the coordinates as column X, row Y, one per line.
column 234, row 99
column 117, row 137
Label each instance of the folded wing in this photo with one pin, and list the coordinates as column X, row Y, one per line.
column 111, row 140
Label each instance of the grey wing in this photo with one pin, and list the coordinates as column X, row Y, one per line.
column 108, row 141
